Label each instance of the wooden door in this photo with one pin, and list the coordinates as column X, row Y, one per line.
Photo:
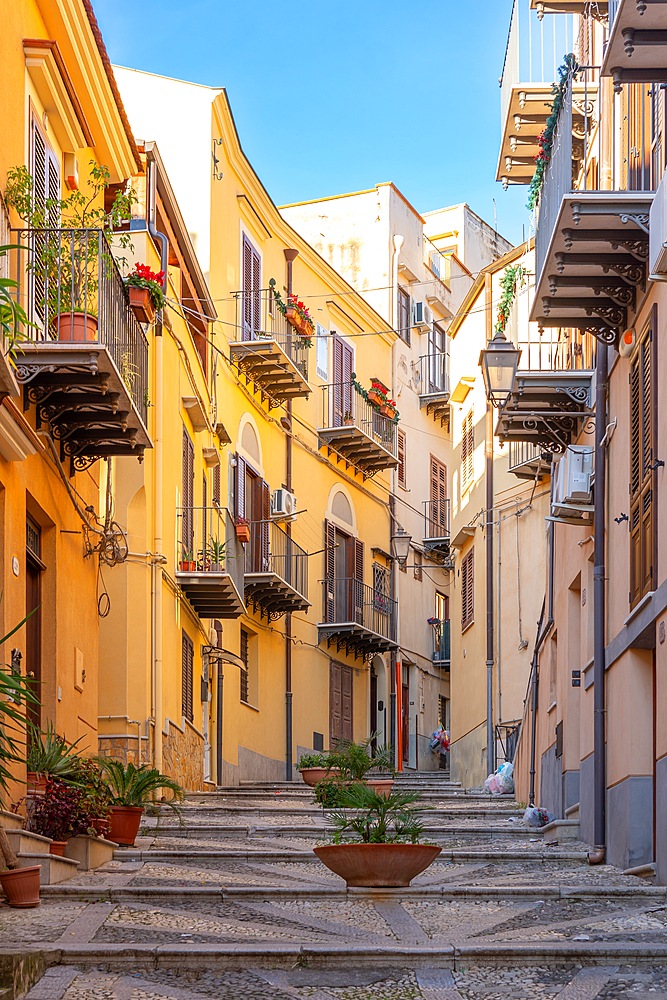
column 340, row 702
column 374, row 706
column 405, row 721
column 33, row 628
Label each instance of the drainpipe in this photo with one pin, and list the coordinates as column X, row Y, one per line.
column 534, row 666
column 218, row 725
column 600, row 764
column 395, row 698
column 290, row 256
column 490, row 754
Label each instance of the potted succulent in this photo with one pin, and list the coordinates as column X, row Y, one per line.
column 377, row 839
column 70, row 248
column 215, row 552
column 131, row 787
column 314, row 767
column 187, row 564
column 145, row 290
column 49, row 756
column 242, row 526
column 58, row 814
column 20, row 885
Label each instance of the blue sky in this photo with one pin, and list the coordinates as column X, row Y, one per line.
column 333, row 97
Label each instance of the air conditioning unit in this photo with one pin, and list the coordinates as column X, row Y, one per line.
column 657, row 241
column 422, row 315
column 283, row 504
column 572, row 485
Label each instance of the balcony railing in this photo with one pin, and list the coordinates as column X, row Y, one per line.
column 442, row 643
column 258, row 318
column 276, row 569
column 73, row 292
column 434, row 374
column 436, row 519
column 527, row 459
column 356, row 429
column 210, row 561
column 349, row 602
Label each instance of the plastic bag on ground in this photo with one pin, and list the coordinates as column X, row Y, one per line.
column 502, row 782
column 536, row 817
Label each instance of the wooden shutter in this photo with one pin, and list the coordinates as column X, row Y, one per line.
column 359, row 581
column 404, row 315
column 265, row 528
column 188, row 476
column 46, row 186
column 335, row 702
column 346, row 703
column 243, row 673
column 329, row 572
column 401, row 459
column 239, row 487
column 642, row 532
column 187, row 678
column 438, row 488
column 468, row 589
column 343, row 360
column 252, row 283
column 467, row 451
column 216, row 485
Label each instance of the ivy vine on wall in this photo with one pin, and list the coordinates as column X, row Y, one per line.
column 513, row 278
column 545, row 140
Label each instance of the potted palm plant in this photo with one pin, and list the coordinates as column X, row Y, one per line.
column 356, row 761
column 20, row 885
column 49, row 756
column 131, row 788
column 377, row 839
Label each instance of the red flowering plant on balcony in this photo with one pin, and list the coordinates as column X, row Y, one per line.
column 152, row 281
column 378, row 397
column 295, row 312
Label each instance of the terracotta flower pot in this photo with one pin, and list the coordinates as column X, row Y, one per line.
column 243, row 532
column 141, row 304
column 311, row 775
column 36, row 783
column 21, row 886
column 187, row 566
column 377, row 865
column 387, row 411
column 101, row 826
column 57, row 847
column 125, row 821
column 77, row 328
column 382, row 786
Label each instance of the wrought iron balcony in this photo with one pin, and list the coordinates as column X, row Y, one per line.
column 534, row 53
column 357, row 618
column 85, row 364
column 442, row 644
column 543, row 7
column 434, row 389
column 210, row 562
column 276, row 571
column 436, row 526
column 527, row 460
column 636, row 51
column 591, row 243
column 269, row 352
column 356, row 431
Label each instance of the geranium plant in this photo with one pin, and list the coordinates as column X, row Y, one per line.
column 152, row 281
column 295, row 311
column 377, row 396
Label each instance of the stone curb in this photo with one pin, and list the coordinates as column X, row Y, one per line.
column 236, row 893
column 165, row 854
column 119, row 957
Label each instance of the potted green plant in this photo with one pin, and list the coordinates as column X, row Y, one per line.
column 377, row 839
column 69, row 246
column 215, row 551
column 314, row 767
column 295, row 312
column 131, row 787
column 96, row 796
column 49, row 755
column 20, row 885
column 145, row 290
column 356, row 761
column 187, row 563
column 60, row 813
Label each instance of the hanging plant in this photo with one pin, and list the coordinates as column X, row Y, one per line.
column 545, row 140
column 513, row 278
column 378, row 397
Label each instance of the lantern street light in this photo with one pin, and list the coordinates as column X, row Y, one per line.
column 400, row 546
column 499, row 362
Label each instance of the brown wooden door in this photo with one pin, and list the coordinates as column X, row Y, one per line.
column 33, row 652
column 374, row 706
column 340, row 702
column 405, row 722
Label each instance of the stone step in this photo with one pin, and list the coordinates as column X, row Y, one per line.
column 90, row 852
column 23, row 841
column 561, row 831
column 10, row 820
column 572, row 812
column 439, row 834
column 54, row 868
column 467, row 809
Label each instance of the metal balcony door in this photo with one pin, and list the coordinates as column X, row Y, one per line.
column 341, row 398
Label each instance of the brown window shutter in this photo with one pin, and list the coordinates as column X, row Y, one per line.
column 401, row 459
column 188, row 484
column 359, row 580
column 329, row 572
column 216, row 485
column 265, row 530
column 239, row 486
column 187, row 680
column 467, row 589
column 642, row 520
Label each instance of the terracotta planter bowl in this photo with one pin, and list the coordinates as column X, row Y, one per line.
column 36, row 783
column 21, row 886
column 382, row 786
column 377, row 866
column 125, row 821
column 311, row 775
column 141, row 304
column 57, row 847
column 77, row 327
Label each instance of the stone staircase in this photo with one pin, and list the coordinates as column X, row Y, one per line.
column 229, row 901
column 32, row 849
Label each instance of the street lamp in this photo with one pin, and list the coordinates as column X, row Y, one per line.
column 499, row 363
column 400, row 546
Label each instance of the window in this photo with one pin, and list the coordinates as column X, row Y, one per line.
column 322, row 352
column 553, row 668
column 244, row 671
column 343, row 404
column 188, row 496
column 418, row 565
column 380, row 588
column 443, row 712
column 403, row 315
column 187, row 670
column 642, row 541
column 216, row 485
column 402, row 481
column 467, row 452
column 439, row 526
column 468, row 589
column 252, row 296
